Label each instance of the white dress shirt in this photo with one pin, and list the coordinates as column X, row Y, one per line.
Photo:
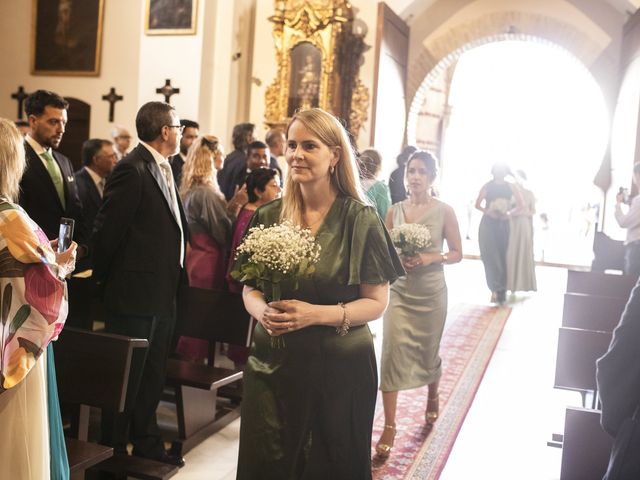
column 630, row 220
column 160, row 160
column 39, row 149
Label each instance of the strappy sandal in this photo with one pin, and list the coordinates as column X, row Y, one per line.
column 433, row 408
column 383, row 450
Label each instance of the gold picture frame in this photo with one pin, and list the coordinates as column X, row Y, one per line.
column 66, row 37
column 170, row 17
column 311, row 37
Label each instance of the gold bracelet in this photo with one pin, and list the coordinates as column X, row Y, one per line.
column 343, row 329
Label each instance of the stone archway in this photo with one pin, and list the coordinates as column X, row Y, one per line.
column 441, row 52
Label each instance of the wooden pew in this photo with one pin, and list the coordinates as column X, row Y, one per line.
column 94, row 370
column 592, row 312
column 586, row 447
column 216, row 317
column 602, row 284
column 576, row 358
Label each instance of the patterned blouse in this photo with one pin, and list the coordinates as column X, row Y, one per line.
column 33, row 300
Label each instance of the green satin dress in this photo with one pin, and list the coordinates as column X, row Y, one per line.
column 307, row 408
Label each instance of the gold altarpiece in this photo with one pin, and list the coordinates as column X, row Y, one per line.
column 319, row 54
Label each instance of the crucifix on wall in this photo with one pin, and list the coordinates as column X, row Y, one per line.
column 112, row 97
column 167, row 90
column 20, row 97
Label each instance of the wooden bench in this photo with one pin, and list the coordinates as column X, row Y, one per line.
column 216, row 317
column 602, row 284
column 576, row 358
column 94, row 370
column 592, row 312
column 586, row 447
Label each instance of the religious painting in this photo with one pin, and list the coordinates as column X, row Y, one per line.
column 304, row 86
column 170, row 17
column 66, row 37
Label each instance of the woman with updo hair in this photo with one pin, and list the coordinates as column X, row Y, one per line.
column 498, row 199
column 370, row 163
column 414, row 321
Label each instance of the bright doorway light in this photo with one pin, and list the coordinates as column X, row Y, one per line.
column 537, row 108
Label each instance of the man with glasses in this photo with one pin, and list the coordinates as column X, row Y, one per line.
column 139, row 249
column 121, row 140
column 190, row 131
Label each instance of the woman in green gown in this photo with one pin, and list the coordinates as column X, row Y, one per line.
column 307, row 409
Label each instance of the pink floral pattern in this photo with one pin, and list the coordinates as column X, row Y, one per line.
column 33, row 301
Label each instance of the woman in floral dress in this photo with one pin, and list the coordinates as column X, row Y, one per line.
column 33, row 309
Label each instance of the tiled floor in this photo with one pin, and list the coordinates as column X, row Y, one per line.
column 514, row 412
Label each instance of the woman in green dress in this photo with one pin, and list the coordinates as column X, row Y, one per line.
column 307, row 409
column 370, row 162
column 414, row 321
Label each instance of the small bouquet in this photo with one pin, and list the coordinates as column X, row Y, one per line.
column 282, row 251
column 410, row 239
column 276, row 253
column 500, row 205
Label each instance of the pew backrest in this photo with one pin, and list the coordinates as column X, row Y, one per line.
column 602, row 284
column 592, row 312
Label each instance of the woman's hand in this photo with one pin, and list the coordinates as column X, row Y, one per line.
column 286, row 316
column 66, row 260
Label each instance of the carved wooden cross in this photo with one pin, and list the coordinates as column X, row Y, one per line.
column 167, row 90
column 112, row 97
column 20, row 96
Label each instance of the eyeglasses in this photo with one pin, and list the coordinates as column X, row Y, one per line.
column 179, row 127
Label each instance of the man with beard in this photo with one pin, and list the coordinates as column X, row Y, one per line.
column 48, row 189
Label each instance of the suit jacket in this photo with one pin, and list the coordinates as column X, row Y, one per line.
column 91, row 201
column 39, row 198
column 396, row 185
column 234, row 163
column 177, row 163
column 273, row 164
column 136, row 239
column 618, row 371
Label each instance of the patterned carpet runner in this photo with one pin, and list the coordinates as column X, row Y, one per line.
column 467, row 346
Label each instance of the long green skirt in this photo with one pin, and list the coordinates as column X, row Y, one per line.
column 307, row 408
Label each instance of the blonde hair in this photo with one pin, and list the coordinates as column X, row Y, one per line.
column 198, row 167
column 344, row 180
column 12, row 160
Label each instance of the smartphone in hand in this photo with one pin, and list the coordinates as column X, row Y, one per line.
column 65, row 234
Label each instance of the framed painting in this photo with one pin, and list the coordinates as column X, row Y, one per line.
column 66, row 37
column 170, row 17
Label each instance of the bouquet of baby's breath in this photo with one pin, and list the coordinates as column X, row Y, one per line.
column 500, row 205
column 276, row 253
column 410, row 239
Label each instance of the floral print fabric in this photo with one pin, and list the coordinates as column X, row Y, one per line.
column 33, row 300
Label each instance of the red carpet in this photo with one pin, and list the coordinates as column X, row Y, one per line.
column 466, row 349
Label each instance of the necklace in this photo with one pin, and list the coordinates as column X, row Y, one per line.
column 315, row 222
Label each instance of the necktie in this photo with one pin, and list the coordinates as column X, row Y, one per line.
column 165, row 168
column 55, row 175
column 101, row 184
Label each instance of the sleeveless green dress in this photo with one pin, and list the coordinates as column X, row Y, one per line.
column 307, row 408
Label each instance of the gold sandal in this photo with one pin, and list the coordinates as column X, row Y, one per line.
column 433, row 408
column 383, row 450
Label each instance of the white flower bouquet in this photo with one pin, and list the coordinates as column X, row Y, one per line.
column 282, row 251
column 500, row 205
column 410, row 239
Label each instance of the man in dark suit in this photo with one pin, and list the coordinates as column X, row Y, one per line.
column 48, row 188
column 139, row 246
column 257, row 157
column 236, row 161
column 189, row 134
column 99, row 158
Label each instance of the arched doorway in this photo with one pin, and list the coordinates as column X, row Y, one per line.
column 531, row 104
